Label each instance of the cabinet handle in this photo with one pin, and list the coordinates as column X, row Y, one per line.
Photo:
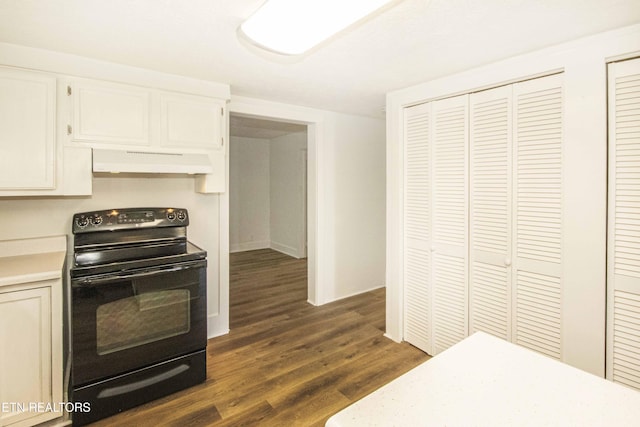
column 68, row 90
column 69, row 130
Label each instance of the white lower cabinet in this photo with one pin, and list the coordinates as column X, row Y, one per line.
column 483, row 217
column 27, row 355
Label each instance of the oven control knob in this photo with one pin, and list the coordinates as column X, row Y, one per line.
column 82, row 222
column 171, row 215
column 182, row 215
column 96, row 220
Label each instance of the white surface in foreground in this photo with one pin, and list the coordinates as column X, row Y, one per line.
column 485, row 381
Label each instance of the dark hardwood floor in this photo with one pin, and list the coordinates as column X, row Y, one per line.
column 285, row 362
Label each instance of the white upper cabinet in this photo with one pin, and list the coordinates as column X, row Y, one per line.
column 109, row 113
column 104, row 114
column 190, row 121
column 27, row 130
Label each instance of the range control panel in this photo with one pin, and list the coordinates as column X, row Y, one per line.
column 128, row 218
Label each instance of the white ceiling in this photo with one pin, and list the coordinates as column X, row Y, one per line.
column 414, row 41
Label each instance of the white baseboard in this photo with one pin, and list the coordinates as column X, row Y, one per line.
column 285, row 249
column 353, row 294
column 249, row 246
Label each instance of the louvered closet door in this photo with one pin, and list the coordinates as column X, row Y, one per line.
column 449, row 222
column 537, row 207
column 623, row 264
column 417, row 227
column 490, row 212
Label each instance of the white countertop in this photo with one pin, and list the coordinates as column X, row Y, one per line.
column 15, row 270
column 485, row 381
column 31, row 260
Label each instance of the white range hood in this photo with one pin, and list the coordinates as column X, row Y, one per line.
column 150, row 162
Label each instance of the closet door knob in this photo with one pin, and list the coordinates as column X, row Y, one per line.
column 507, row 262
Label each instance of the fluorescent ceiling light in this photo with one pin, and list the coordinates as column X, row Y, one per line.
column 294, row 26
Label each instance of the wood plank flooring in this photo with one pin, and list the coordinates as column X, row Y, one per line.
column 285, row 362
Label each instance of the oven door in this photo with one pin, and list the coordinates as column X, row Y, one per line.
column 128, row 320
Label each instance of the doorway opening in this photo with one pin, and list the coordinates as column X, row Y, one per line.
column 267, row 216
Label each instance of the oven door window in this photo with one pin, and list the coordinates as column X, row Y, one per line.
column 143, row 318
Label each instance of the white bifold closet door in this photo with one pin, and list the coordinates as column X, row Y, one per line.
column 436, row 224
column 450, row 222
column 516, row 213
column 538, row 215
column 483, row 217
column 623, row 253
column 417, row 226
column 490, row 238
column 490, row 178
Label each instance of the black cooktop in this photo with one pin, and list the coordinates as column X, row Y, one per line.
column 191, row 253
column 117, row 240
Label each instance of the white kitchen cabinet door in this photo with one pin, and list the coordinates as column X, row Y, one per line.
column 538, row 214
column 417, row 226
column 27, row 130
column 623, row 263
column 191, row 121
column 490, row 180
column 25, row 354
column 449, row 205
column 109, row 113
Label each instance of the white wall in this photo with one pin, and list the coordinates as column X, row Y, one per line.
column 47, row 216
column 249, row 194
column 359, row 205
column 585, row 158
column 287, row 193
column 266, row 194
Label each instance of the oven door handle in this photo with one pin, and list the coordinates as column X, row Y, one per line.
column 99, row 280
